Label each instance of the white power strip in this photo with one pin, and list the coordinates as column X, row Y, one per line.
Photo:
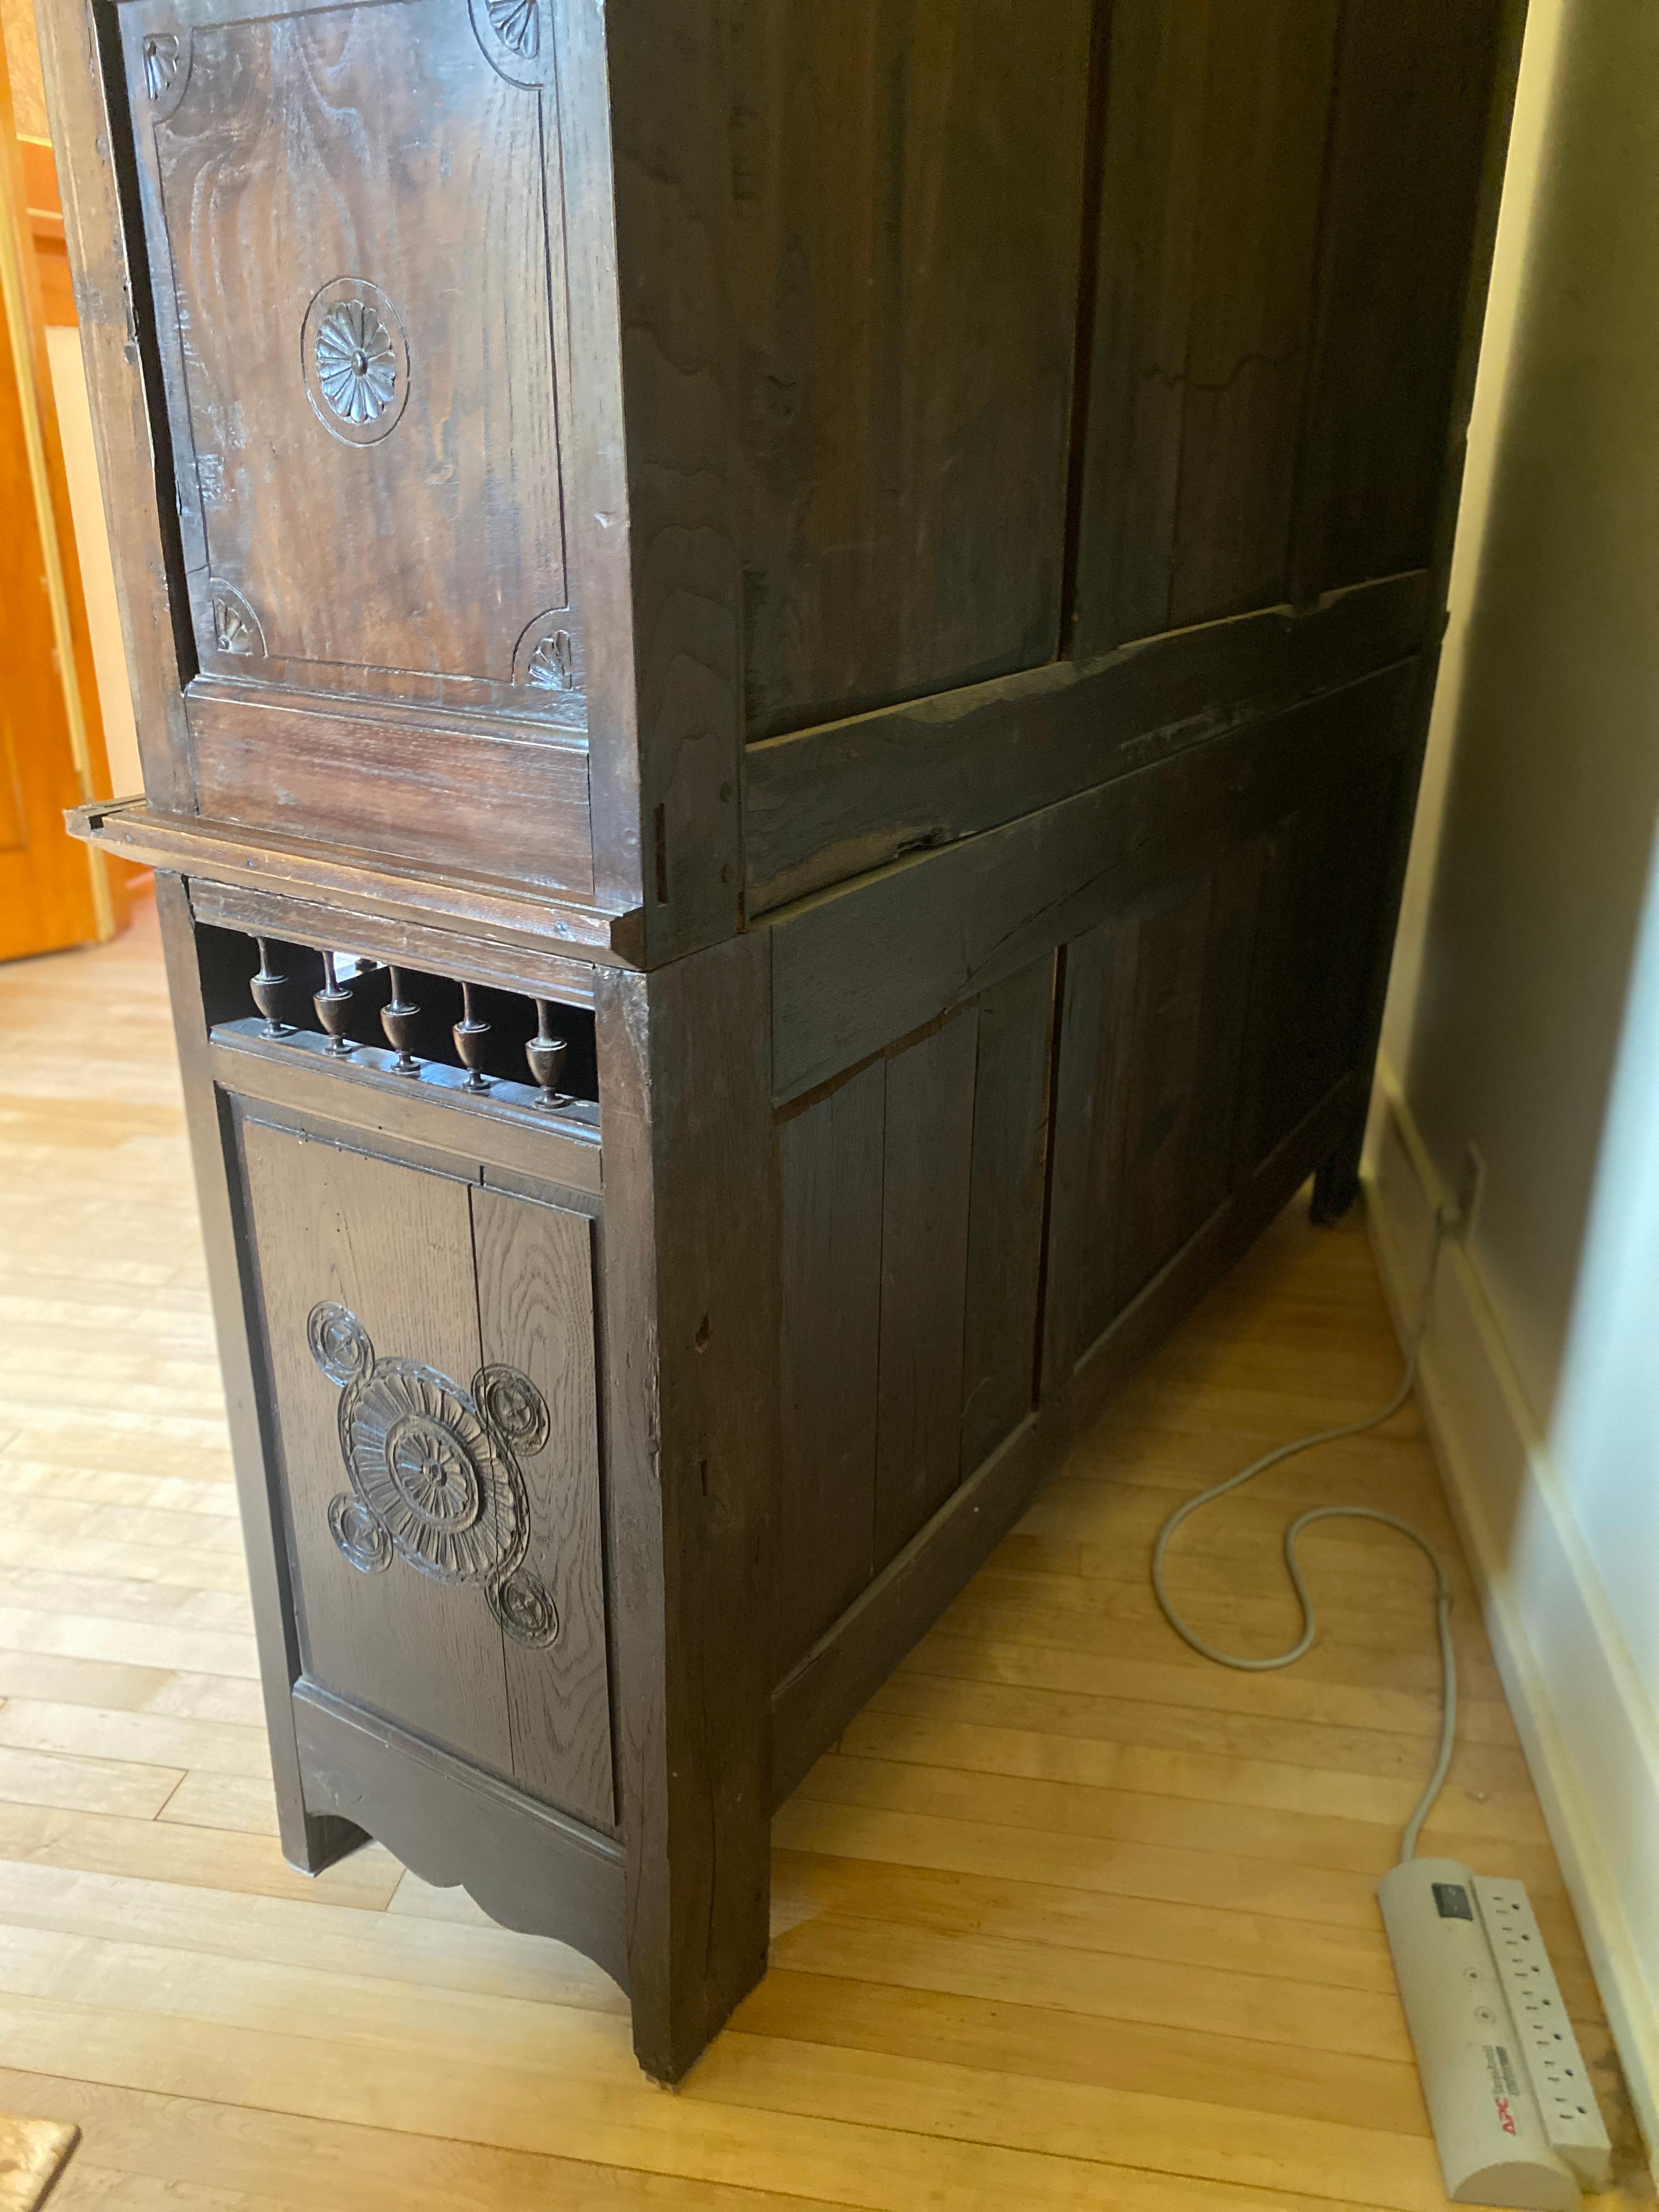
column 1513, row 2116
column 1514, row 2119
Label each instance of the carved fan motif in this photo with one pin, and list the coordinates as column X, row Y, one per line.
column 434, row 1477
column 518, row 24
column 356, row 366
column 160, row 51
column 552, row 666
column 232, row 632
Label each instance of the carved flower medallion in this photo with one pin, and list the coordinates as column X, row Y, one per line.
column 436, row 1479
column 354, row 355
column 356, row 364
column 428, row 1470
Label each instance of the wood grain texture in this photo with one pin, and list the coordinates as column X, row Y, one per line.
column 1415, row 90
column 509, row 802
column 690, row 1328
column 420, row 554
column 309, row 1838
column 1091, row 1080
column 906, row 189
column 1007, row 1188
column 1209, row 219
column 927, row 1187
column 839, row 800
column 528, row 1867
column 285, row 868
column 534, row 1266
column 830, row 1175
column 976, row 912
column 384, row 937
column 671, row 270
column 109, row 267
column 420, row 1122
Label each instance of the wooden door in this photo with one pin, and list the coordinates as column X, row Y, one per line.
column 429, row 1346
column 367, row 410
column 53, row 892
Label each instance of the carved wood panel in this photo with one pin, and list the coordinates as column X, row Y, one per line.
column 430, row 1350
column 353, row 217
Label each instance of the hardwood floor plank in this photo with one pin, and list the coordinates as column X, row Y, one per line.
column 153, row 1738
column 736, row 2123
column 115, row 1844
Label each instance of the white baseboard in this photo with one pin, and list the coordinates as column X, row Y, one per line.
column 1587, row 1724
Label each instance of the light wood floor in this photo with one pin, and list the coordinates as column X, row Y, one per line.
column 1070, row 1919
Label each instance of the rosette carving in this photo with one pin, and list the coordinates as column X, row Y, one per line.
column 434, row 1469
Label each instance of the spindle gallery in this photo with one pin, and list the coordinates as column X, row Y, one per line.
column 781, row 656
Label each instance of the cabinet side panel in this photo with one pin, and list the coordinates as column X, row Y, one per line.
column 535, row 1271
column 394, row 1246
column 927, row 1178
column 907, row 188
column 1184, row 1045
column 1324, row 869
column 1004, row 1219
column 1213, row 163
column 829, row 1160
column 1409, row 137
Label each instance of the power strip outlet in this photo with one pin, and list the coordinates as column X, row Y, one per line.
column 1547, row 2043
column 1504, row 2082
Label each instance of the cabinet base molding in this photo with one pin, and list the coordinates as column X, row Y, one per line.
column 527, row 1865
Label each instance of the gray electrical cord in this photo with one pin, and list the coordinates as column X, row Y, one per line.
column 1310, row 1620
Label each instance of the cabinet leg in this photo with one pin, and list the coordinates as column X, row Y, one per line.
column 312, row 1841
column 1336, row 1180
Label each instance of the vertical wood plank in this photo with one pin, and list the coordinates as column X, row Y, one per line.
column 906, row 183
column 927, row 1177
column 1091, row 1093
column 535, row 1278
column 1184, row 1042
column 1213, row 161
column 830, row 1173
column 309, row 1840
column 1414, row 88
column 1265, row 109
column 1324, row 871
column 690, row 1302
column 143, row 535
column 394, row 1245
column 1150, row 173
column 1005, row 1217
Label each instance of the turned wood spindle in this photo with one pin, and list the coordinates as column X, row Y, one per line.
column 333, row 1006
column 399, row 1020
column 545, row 1054
column 267, row 987
column 469, row 1034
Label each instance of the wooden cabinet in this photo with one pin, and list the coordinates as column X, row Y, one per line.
column 875, row 573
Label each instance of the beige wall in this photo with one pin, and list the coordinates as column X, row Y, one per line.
column 1521, row 1018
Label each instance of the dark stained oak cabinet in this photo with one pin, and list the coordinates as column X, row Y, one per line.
column 874, row 569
